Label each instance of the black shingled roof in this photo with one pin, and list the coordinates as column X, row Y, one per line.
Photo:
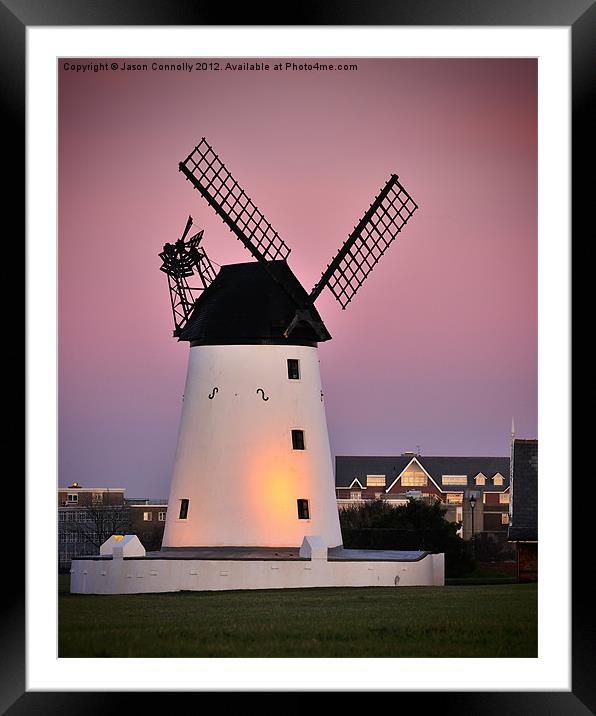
column 524, row 495
column 347, row 468
column 245, row 304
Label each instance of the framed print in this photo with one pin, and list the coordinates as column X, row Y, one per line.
column 105, row 97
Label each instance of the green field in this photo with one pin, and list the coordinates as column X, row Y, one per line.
column 453, row 621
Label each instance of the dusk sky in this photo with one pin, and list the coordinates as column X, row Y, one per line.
column 438, row 348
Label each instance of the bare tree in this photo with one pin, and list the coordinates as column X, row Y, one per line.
column 95, row 524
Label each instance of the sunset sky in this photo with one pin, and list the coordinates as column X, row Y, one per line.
column 438, row 348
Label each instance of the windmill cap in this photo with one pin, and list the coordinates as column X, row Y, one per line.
column 247, row 304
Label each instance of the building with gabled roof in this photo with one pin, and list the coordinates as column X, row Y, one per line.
column 451, row 479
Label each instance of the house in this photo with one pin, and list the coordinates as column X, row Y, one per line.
column 453, row 480
column 523, row 516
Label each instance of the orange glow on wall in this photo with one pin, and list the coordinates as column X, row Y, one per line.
column 274, row 482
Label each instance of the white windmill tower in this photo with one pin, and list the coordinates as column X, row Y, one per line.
column 253, row 464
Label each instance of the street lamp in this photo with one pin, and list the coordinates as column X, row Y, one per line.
column 472, row 506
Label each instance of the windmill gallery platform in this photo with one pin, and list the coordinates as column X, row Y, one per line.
column 229, row 568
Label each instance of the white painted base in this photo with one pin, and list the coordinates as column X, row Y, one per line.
column 138, row 576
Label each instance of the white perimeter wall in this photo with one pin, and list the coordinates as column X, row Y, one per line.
column 133, row 576
column 234, row 460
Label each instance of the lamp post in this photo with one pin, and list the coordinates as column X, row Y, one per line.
column 472, row 506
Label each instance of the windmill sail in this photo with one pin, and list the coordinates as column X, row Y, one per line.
column 211, row 178
column 380, row 225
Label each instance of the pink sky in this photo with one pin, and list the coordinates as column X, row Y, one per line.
column 438, row 348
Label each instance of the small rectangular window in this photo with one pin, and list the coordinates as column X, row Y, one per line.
column 161, row 516
column 455, row 498
column 183, row 509
column 72, row 498
column 298, row 439
column 147, row 516
column 455, row 479
column 293, row 369
column 303, row 510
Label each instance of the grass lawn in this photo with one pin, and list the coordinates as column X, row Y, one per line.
column 453, row 621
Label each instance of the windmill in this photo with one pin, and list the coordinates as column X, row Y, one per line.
column 253, row 464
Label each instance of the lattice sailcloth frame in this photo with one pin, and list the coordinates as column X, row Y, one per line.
column 376, row 231
column 210, row 176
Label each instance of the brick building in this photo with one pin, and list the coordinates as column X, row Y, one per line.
column 87, row 516
column 78, row 496
column 147, row 521
column 523, row 527
column 453, row 480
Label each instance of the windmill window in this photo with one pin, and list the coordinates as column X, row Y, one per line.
column 303, row 510
column 298, row 439
column 293, row 369
column 183, row 509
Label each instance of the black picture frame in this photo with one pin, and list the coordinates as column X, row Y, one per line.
column 579, row 15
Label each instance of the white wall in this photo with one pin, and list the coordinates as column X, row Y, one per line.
column 134, row 576
column 234, row 459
